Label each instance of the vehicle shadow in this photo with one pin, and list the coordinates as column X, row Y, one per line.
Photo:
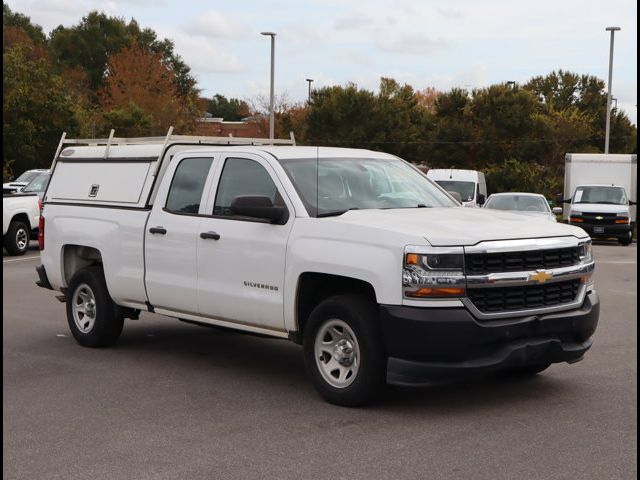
column 233, row 355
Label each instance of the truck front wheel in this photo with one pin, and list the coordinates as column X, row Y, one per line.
column 16, row 240
column 343, row 350
column 94, row 319
column 626, row 240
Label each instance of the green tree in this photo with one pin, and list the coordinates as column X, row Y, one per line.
column 453, row 136
column 517, row 175
column 232, row 109
column 37, row 107
column 343, row 116
column 561, row 90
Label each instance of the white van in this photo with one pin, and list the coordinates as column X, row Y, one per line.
column 469, row 184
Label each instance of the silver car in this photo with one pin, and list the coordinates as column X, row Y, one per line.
column 530, row 203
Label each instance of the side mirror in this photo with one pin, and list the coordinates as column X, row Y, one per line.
column 632, row 203
column 259, row 206
column 560, row 199
column 481, row 199
column 557, row 210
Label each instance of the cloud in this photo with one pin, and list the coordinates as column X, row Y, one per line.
column 212, row 24
column 410, row 44
column 206, row 57
column 352, row 21
column 450, row 13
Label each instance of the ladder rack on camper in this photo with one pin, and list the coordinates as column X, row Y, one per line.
column 165, row 141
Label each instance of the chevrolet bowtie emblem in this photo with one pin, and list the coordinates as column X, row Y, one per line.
column 599, row 218
column 540, row 276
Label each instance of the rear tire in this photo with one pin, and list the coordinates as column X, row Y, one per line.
column 16, row 241
column 343, row 350
column 94, row 319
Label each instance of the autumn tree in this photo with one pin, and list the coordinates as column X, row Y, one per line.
column 17, row 21
column 136, row 81
column 97, row 37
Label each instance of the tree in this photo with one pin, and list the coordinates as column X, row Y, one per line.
column 97, row 37
column 343, row 116
column 22, row 22
column 232, row 109
column 139, row 79
column 37, row 107
column 561, row 90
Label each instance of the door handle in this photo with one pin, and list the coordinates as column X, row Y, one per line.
column 210, row 236
column 160, row 230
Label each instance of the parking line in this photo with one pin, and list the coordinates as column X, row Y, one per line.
column 21, row 259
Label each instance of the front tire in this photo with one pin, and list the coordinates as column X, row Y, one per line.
column 343, row 350
column 94, row 319
column 626, row 241
column 16, row 240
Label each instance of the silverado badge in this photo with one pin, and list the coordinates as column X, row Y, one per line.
column 540, row 276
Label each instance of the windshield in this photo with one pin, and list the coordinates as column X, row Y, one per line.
column 38, row 184
column 467, row 190
column 331, row 186
column 611, row 195
column 523, row 203
column 27, row 176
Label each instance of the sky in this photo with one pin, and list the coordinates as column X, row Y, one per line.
column 425, row 43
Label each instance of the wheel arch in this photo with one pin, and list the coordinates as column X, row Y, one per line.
column 77, row 257
column 314, row 287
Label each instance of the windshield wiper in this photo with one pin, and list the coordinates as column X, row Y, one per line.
column 335, row 213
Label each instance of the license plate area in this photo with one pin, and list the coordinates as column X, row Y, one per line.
column 598, row 229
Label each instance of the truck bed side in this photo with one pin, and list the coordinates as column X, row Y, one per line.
column 116, row 235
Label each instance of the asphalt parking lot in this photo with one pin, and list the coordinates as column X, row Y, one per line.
column 172, row 400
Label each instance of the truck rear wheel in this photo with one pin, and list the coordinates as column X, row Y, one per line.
column 343, row 350
column 16, row 240
column 94, row 319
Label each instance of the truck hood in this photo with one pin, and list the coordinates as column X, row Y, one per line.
column 598, row 208
column 460, row 225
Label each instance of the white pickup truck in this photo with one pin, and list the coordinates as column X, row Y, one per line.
column 379, row 273
column 20, row 218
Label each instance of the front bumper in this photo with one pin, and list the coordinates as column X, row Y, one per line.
column 427, row 346
column 605, row 231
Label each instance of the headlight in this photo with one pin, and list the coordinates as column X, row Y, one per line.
column 622, row 217
column 586, row 255
column 433, row 273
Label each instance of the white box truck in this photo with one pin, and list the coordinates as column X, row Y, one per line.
column 600, row 194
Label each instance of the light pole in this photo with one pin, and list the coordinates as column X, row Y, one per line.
column 608, row 125
column 273, row 59
column 309, row 80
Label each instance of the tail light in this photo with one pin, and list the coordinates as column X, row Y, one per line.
column 41, row 231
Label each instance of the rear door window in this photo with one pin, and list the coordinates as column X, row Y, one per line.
column 187, row 185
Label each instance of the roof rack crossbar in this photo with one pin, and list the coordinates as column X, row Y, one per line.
column 203, row 139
